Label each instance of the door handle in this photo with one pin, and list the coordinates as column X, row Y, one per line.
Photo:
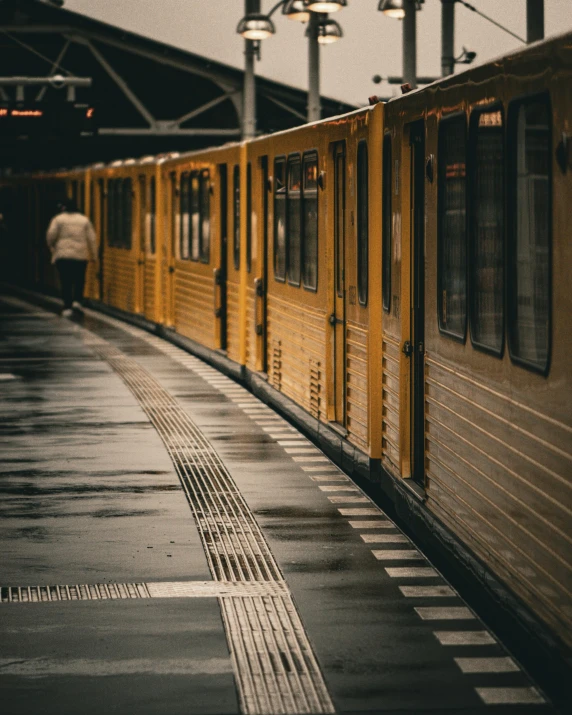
column 332, row 319
column 407, row 348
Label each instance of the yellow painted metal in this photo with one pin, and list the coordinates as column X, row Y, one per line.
column 243, row 272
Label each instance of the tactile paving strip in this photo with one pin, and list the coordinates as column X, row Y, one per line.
column 275, row 666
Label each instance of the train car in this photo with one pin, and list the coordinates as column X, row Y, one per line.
column 477, row 192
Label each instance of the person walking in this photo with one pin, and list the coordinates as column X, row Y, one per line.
column 71, row 239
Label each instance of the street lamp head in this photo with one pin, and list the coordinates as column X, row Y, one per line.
column 392, row 8
column 256, row 27
column 328, row 31
column 296, row 10
column 325, row 5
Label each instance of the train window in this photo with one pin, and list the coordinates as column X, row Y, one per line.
column 280, row 219
column 293, row 231
column 248, row 217
column 487, row 229
column 81, row 197
column 362, row 221
column 386, row 225
column 530, row 233
column 185, row 226
column 452, row 228
column 173, row 224
column 310, row 220
column 236, row 216
column 195, row 217
column 111, row 212
column 205, row 212
column 126, row 212
column 152, row 213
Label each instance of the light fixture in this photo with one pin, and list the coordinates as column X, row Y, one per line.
column 256, row 27
column 296, row 10
column 392, row 8
column 328, row 31
column 325, row 5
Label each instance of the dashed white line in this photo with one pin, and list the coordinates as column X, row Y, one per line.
column 365, row 511
column 427, row 591
column 330, row 478
column 414, row 572
column 310, row 459
column 378, row 524
column 394, row 555
column 487, row 665
column 349, row 500
column 455, row 638
column 510, row 696
column 331, row 468
column 384, row 538
column 457, row 613
column 337, row 488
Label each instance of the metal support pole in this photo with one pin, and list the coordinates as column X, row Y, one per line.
column 534, row 20
column 249, row 89
column 314, row 104
column 447, row 37
column 409, row 44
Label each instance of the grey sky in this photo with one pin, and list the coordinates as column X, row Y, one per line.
column 371, row 43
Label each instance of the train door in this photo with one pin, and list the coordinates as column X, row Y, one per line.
column 141, row 230
column 338, row 317
column 152, row 300
column 416, row 347
column 261, row 267
column 220, row 273
column 171, row 236
column 102, row 235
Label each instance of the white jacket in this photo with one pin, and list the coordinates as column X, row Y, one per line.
column 71, row 235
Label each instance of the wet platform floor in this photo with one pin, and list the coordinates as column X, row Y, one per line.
column 172, row 545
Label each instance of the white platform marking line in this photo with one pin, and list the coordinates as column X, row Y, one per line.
column 427, row 592
column 7, row 376
column 385, row 538
column 349, row 500
column 332, row 468
column 294, row 442
column 397, row 555
column 300, row 450
column 365, row 511
column 455, row 638
column 487, row 665
column 379, row 524
column 337, row 488
column 510, row 696
column 457, row 613
column 414, row 572
column 310, row 459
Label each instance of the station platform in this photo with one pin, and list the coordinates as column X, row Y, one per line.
column 172, row 545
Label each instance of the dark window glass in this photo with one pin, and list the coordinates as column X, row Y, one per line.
column 386, row 225
column 362, row 221
column 173, row 227
column 205, row 211
column 280, row 219
column 530, row 254
column 195, row 217
column 248, row 217
column 152, row 213
column 310, row 220
column 110, row 211
column 142, row 212
column 127, row 212
column 487, row 230
column 117, row 211
column 185, row 229
column 81, row 197
column 236, row 216
column 340, row 220
column 452, row 236
column 293, row 234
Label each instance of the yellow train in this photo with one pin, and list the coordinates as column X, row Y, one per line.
column 396, row 281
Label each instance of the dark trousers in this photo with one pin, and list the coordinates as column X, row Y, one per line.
column 72, row 278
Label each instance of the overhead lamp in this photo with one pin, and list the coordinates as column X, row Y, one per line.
column 256, row 27
column 329, row 31
column 325, row 5
column 392, row 8
column 296, row 10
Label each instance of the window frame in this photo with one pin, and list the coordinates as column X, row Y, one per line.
column 281, row 158
column 204, row 192
column 249, row 217
column 309, row 155
column 462, row 339
column 184, row 210
column 472, row 133
column 365, row 194
column 127, row 210
column 511, row 152
column 386, row 228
